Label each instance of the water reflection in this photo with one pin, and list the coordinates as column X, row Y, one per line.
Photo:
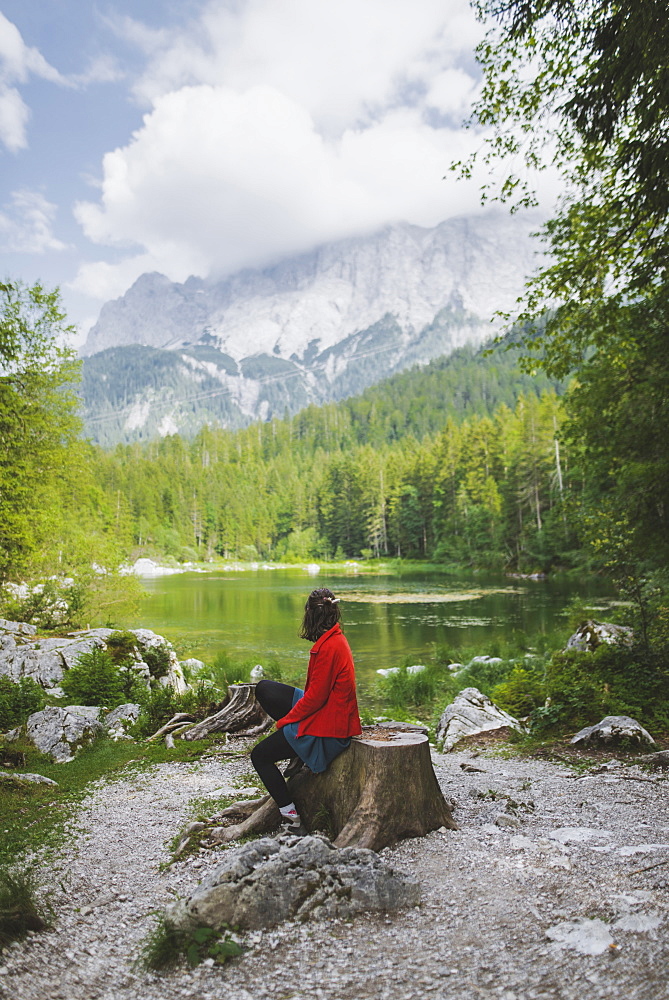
column 257, row 614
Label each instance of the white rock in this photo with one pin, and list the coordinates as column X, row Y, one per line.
column 60, row 733
column 257, row 673
column 18, row 628
column 592, row 634
column 28, row 779
column 588, row 937
column 638, row 923
column 192, row 665
column 472, row 712
column 614, row 729
column 88, row 711
column 578, row 834
column 506, row 821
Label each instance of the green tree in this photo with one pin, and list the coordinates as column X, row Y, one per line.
column 585, row 86
column 38, row 419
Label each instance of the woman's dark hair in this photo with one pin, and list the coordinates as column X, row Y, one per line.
column 321, row 612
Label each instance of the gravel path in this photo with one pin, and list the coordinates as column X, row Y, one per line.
column 565, row 853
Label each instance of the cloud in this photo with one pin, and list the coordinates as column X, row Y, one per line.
column 18, row 62
column 271, row 128
column 26, row 224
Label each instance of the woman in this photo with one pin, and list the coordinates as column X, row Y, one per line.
column 315, row 724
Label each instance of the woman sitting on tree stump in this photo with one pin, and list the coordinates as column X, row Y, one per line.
column 316, row 724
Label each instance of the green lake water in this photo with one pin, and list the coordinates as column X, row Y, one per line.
column 255, row 614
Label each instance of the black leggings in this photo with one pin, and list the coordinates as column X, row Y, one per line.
column 277, row 700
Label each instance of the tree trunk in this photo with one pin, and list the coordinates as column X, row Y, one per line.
column 242, row 715
column 380, row 790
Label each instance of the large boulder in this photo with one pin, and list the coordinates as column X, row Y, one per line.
column 613, row 730
column 592, row 634
column 472, row 712
column 267, row 881
column 47, row 660
column 62, row 732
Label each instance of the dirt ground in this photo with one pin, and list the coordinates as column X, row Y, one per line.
column 546, row 890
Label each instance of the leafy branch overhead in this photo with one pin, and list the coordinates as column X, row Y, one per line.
column 584, row 87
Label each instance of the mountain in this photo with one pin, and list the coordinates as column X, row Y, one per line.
column 169, row 357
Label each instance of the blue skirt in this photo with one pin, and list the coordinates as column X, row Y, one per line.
column 316, row 751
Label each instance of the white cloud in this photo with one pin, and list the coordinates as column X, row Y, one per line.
column 26, row 224
column 451, row 92
column 14, row 115
column 273, row 127
column 18, row 62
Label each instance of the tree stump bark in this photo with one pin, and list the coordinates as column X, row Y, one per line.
column 381, row 790
column 241, row 715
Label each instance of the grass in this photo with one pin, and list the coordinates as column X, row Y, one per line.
column 40, row 816
column 21, row 908
column 167, row 945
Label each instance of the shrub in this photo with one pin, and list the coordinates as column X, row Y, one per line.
column 161, row 703
column 96, row 680
column 167, row 944
column 20, row 910
column 18, row 700
column 613, row 680
column 157, row 659
column 403, row 688
column 121, row 647
column 520, row 693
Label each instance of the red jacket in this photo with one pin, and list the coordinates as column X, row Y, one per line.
column 329, row 706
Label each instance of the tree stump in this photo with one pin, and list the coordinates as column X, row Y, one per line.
column 241, row 715
column 381, row 790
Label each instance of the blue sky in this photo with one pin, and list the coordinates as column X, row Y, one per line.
column 203, row 137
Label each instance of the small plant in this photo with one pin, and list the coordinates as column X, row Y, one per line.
column 95, row 680
column 157, row 658
column 18, row 700
column 20, row 910
column 168, row 944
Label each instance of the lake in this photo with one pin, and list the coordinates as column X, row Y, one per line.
column 255, row 614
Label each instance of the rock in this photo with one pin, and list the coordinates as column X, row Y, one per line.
column 267, row 881
column 507, row 822
column 659, row 759
column 192, row 665
column 578, row 834
column 492, row 661
column 12, row 735
column 47, row 660
column 174, row 678
column 588, row 937
column 88, row 711
column 454, row 667
column 257, row 673
column 18, row 628
column 26, row 779
column 614, row 729
column 638, row 923
column 115, row 722
column 471, row 712
column 416, row 668
column 592, row 634
column 60, row 733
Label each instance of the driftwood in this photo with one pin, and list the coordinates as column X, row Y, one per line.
column 241, row 715
column 177, row 721
column 380, row 790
